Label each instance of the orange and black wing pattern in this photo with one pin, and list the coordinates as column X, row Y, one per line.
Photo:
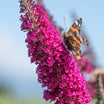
column 72, row 40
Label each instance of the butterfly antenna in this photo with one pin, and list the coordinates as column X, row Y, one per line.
column 65, row 24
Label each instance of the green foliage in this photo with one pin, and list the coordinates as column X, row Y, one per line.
column 7, row 99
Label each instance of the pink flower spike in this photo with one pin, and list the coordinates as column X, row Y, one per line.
column 56, row 69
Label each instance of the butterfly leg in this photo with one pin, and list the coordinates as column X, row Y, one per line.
column 76, row 52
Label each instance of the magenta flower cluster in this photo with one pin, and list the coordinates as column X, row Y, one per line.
column 91, row 85
column 84, row 64
column 56, row 69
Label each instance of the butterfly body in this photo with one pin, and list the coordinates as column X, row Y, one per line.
column 72, row 39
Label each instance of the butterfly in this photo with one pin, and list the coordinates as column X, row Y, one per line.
column 72, row 39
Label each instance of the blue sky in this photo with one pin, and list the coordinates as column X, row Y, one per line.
column 15, row 65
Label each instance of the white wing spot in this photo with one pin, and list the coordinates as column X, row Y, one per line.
column 81, row 39
column 76, row 22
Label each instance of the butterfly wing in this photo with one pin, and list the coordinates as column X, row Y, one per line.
column 75, row 28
